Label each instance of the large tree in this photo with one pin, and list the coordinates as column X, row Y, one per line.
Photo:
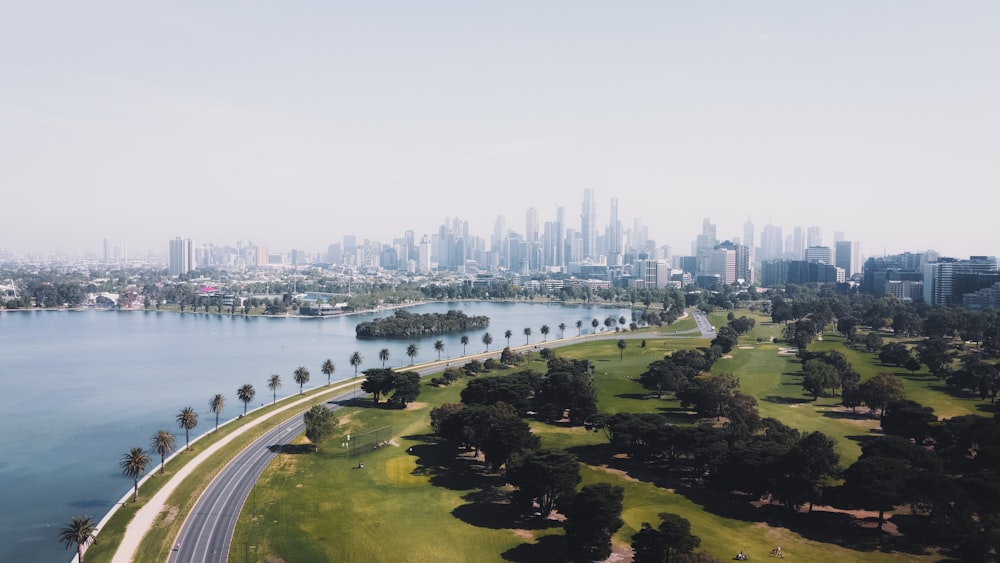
column 545, row 477
column 406, row 388
column 876, row 483
column 245, row 394
column 80, row 531
column 621, row 349
column 274, row 383
column 320, row 424
column 216, row 404
column 300, row 376
column 880, row 390
column 592, row 518
column 134, row 465
column 664, row 543
column 378, row 382
column 187, row 419
column 328, row 369
column 163, row 443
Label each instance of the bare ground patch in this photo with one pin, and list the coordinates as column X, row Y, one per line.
column 415, row 406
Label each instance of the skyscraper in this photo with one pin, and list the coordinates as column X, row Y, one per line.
column 588, row 221
column 181, row 257
column 615, row 242
column 560, row 236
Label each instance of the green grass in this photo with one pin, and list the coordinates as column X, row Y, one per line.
column 425, row 505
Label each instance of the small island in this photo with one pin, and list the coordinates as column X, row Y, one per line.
column 404, row 324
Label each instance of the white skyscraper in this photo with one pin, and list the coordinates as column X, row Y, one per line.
column 588, row 225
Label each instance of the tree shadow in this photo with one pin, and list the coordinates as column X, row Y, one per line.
column 637, row 396
column 777, row 399
column 849, row 415
column 545, row 549
column 292, row 449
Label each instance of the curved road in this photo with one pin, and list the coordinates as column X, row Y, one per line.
column 208, row 530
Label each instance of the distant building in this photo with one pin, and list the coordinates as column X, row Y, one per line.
column 946, row 280
column 181, row 256
column 847, row 255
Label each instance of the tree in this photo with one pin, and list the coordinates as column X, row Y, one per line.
column 465, row 342
column 595, row 323
column 562, row 330
column 411, row 351
column 527, row 334
column 818, row 377
column 406, row 388
column 811, row 461
column 355, row 361
column 187, row 419
column 215, row 405
column 621, row 349
column 134, row 465
column 274, row 383
column 671, row 538
column 487, row 340
column 378, row 382
column 383, row 355
column 320, row 424
column 163, row 443
column 579, row 328
column 439, row 346
column 592, row 518
column 80, row 531
column 876, row 483
column 328, row 369
column 245, row 394
column 507, row 334
column 727, row 338
column 544, row 476
column 880, row 390
column 545, row 332
column 300, row 376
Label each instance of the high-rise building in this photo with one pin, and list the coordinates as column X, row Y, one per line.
column 771, row 243
column 814, row 237
column 748, row 240
column 588, row 225
column 847, row 255
column 797, row 251
column 560, row 237
column 819, row 254
column 181, row 256
column 615, row 242
column 531, row 225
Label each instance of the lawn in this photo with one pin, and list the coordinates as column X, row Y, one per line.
column 416, row 501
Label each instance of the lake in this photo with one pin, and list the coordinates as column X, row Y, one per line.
column 79, row 389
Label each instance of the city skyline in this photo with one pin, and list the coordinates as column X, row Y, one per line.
column 294, row 127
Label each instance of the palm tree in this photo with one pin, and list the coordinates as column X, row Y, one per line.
column 356, row 360
column 383, row 355
column 487, row 340
column 545, row 331
column 301, row 376
column 187, row 419
column 246, row 394
column 562, row 330
column 274, row 383
column 527, row 333
column 507, row 334
column 80, row 531
column 621, row 320
column 328, row 369
column 465, row 342
column 621, row 349
column 439, row 346
column 579, row 327
column 134, row 465
column 411, row 351
column 216, row 404
column 594, row 324
column 163, row 442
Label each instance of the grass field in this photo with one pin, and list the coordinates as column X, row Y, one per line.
column 414, row 501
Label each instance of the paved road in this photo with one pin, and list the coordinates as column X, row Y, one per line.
column 208, row 531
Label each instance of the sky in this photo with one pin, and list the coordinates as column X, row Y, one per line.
column 292, row 124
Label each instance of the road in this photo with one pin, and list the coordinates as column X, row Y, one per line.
column 208, row 531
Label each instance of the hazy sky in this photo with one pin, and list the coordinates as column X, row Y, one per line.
column 292, row 124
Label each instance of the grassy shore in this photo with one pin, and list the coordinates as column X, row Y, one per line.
column 416, row 501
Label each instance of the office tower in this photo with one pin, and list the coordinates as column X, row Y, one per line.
column 798, row 244
column 499, row 233
column 748, row 239
column 819, row 254
column 588, row 225
column 847, row 255
column 424, row 256
column 107, row 251
column 947, row 279
column 703, row 245
column 181, row 256
column 615, row 243
column 770, row 243
column 560, row 237
column 814, row 237
column 531, row 225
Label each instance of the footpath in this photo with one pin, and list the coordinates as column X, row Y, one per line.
column 146, row 516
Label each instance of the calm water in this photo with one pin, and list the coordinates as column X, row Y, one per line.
column 79, row 389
